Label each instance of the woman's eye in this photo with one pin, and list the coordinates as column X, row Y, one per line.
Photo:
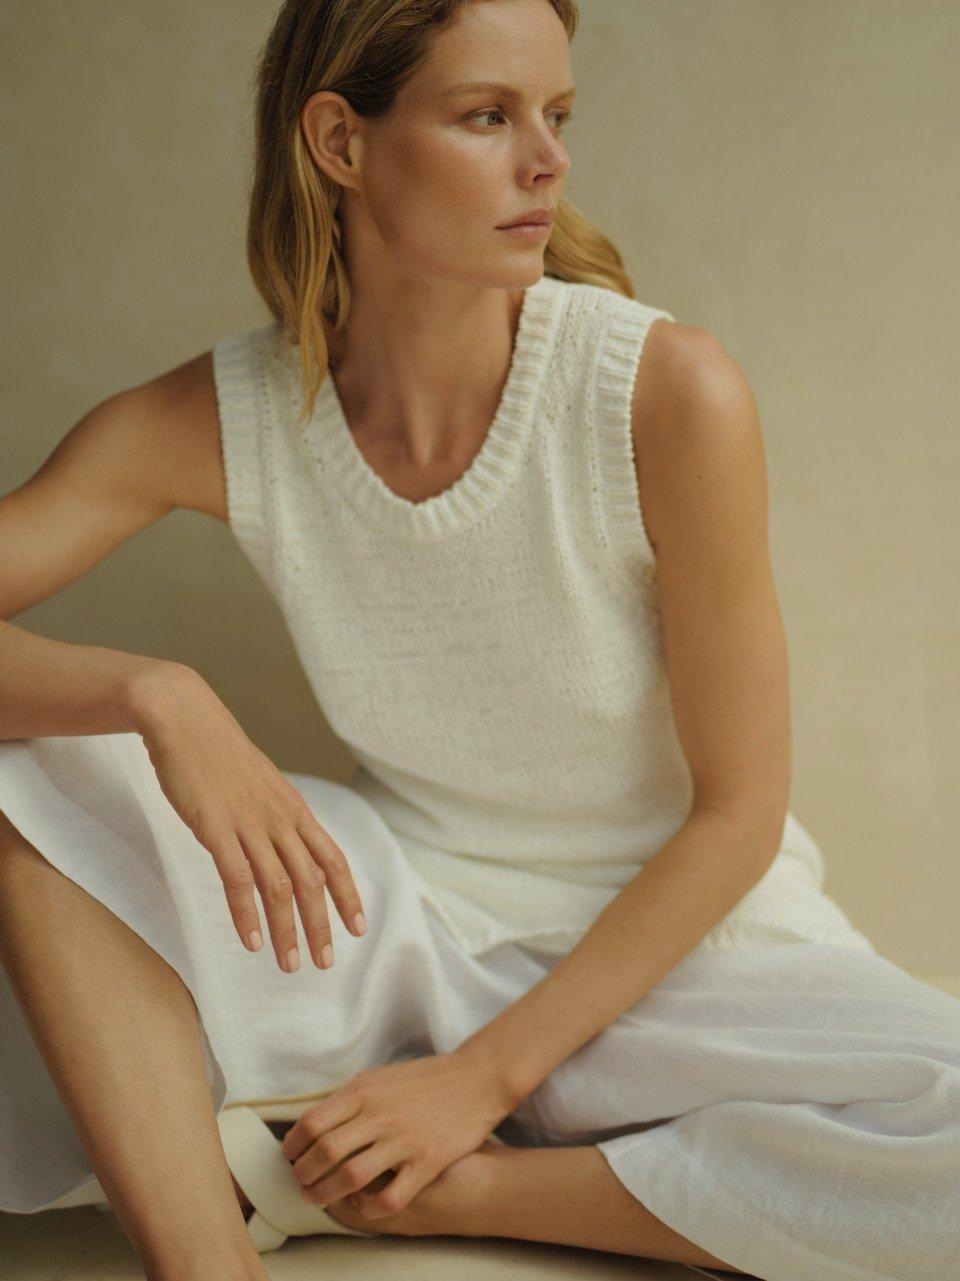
column 565, row 116
column 491, row 111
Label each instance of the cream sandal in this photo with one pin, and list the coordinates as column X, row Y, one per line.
column 265, row 1176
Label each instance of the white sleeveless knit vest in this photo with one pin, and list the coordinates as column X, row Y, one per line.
column 492, row 656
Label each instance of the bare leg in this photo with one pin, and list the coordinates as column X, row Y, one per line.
column 570, row 1196
column 565, row 1195
column 119, row 1033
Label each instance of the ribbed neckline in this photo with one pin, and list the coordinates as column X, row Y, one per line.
column 332, row 447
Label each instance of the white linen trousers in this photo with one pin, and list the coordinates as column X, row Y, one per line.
column 792, row 1107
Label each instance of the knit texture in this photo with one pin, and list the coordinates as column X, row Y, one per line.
column 492, row 655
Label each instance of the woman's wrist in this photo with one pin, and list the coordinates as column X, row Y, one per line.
column 155, row 690
column 485, row 1055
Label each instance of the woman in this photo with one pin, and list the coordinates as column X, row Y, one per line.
column 516, row 521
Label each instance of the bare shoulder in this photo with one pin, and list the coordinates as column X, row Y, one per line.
column 176, row 418
column 693, row 412
column 124, row 464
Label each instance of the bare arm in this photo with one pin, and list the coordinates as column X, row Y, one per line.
column 704, row 495
column 129, row 461
column 49, row 688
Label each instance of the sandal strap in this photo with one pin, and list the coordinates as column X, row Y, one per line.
column 264, row 1235
column 257, row 1163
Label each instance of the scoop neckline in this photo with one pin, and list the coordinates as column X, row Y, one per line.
column 328, row 440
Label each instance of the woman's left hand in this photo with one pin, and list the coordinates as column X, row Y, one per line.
column 415, row 1116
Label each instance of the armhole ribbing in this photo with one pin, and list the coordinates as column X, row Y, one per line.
column 619, row 511
column 240, row 381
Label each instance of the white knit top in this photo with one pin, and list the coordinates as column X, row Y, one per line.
column 492, row 656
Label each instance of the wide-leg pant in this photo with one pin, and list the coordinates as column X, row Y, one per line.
column 792, row 1107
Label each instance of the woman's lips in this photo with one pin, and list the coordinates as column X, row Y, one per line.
column 528, row 230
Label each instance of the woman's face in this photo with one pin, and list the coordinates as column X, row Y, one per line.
column 436, row 177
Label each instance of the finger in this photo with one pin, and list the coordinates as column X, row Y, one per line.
column 276, row 893
column 340, row 883
column 238, row 884
column 309, row 884
column 317, row 1119
column 322, row 1157
column 396, row 1196
column 355, row 1173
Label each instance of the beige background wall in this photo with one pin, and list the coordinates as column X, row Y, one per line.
column 784, row 175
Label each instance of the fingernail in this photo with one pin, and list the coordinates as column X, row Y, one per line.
column 256, row 941
column 326, row 956
column 359, row 924
column 293, row 960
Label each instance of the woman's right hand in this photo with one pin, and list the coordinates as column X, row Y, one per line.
column 258, row 828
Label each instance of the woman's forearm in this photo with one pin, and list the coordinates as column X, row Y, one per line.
column 658, row 917
column 49, row 688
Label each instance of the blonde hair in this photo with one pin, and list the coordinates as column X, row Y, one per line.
column 364, row 50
